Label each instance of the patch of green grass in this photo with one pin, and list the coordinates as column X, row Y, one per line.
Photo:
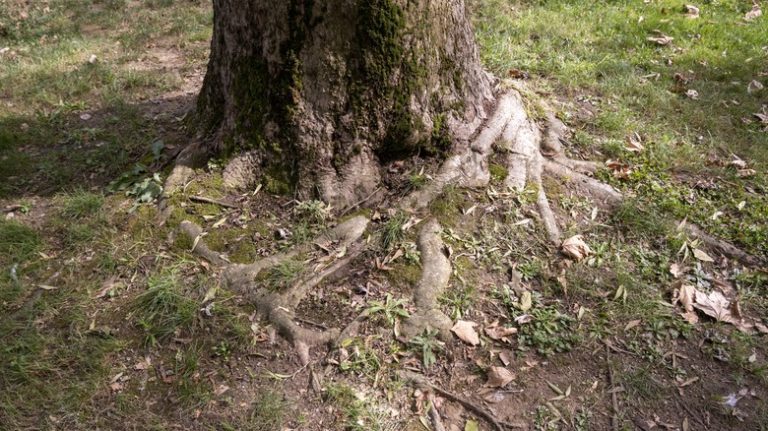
column 642, row 385
column 427, row 346
column 458, row 302
column 362, row 359
column 163, row 308
column 393, row 231
column 268, row 413
column 390, row 309
column 18, row 242
column 283, row 275
column 615, row 83
column 359, row 413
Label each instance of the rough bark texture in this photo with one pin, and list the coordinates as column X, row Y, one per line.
column 313, row 94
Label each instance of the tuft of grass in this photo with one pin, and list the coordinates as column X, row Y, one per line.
column 358, row 412
column 163, row 308
column 391, row 309
column 268, row 414
column 282, row 275
column 18, row 242
column 393, row 232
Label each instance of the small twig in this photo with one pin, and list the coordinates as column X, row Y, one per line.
column 205, row 200
column 434, row 415
column 311, row 323
column 614, row 395
column 693, row 415
column 479, row 411
column 357, row 204
column 12, row 208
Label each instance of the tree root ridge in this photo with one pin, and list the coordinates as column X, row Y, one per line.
column 436, row 272
column 278, row 308
column 533, row 149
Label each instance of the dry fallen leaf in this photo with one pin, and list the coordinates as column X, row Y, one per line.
column 498, row 377
column 634, row 143
column 500, row 333
column 691, row 11
column 716, row 305
column 754, row 86
column 692, row 94
column 754, row 13
column 661, row 39
column 620, row 170
column 702, row 256
column 466, row 332
column 575, row 248
column 632, row 324
column 676, row 271
column 506, row 357
column 745, row 173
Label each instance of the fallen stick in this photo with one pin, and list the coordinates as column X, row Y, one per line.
column 205, row 200
column 614, row 396
column 479, row 411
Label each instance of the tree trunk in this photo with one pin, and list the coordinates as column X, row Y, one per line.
column 313, row 95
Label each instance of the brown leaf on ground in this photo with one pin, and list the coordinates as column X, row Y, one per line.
column 500, row 333
column 634, row 143
column 716, row 305
column 498, row 377
column 466, row 332
column 575, row 248
column 754, row 86
column 702, row 255
column 676, row 270
column 661, row 39
column 620, row 170
column 753, row 14
column 691, row 11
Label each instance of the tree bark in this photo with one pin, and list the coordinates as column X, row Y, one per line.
column 313, row 95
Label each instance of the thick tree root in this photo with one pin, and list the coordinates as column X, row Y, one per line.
column 532, row 151
column 436, row 272
column 279, row 307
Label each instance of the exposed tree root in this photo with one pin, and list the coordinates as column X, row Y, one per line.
column 532, row 150
column 279, row 307
column 436, row 272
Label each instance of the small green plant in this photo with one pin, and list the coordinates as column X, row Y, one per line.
column 361, row 358
column 394, row 231
column 391, row 309
column 222, row 350
column 163, row 309
column 138, row 184
column 459, row 302
column 314, row 211
column 427, row 345
column 417, row 181
column 530, row 269
column 548, row 331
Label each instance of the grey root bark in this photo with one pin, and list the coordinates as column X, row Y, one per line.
column 313, row 94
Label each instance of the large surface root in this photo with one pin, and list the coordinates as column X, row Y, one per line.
column 436, row 272
column 532, row 151
column 278, row 308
